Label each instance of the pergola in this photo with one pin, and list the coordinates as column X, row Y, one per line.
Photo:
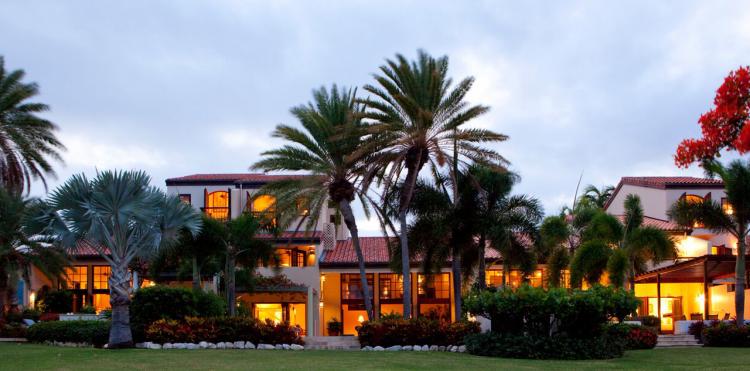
column 704, row 269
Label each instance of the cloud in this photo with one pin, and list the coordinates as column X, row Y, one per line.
column 85, row 151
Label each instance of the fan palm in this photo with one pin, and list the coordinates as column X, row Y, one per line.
column 121, row 216
column 19, row 252
column 736, row 178
column 327, row 150
column 27, row 141
column 420, row 118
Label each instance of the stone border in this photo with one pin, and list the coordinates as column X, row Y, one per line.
column 221, row 345
column 417, row 348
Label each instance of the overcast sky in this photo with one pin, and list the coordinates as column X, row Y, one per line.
column 175, row 87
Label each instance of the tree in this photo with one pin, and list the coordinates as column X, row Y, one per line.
column 27, row 141
column 736, row 178
column 198, row 252
column 121, row 216
column 327, row 150
column 420, row 119
column 19, row 251
column 724, row 126
column 243, row 247
column 554, row 237
column 596, row 196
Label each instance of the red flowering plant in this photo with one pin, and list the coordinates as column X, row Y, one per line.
column 724, row 126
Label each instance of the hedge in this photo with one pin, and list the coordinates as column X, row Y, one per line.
column 192, row 330
column 151, row 304
column 91, row 332
column 422, row 331
column 723, row 334
column 556, row 347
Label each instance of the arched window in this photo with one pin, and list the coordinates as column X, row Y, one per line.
column 694, row 199
column 217, row 205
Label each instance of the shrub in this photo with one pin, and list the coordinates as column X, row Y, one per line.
column 46, row 317
column 635, row 336
column 398, row 331
column 12, row 329
column 555, row 347
column 87, row 309
column 60, row 301
column 650, row 321
column 193, row 329
column 334, row 327
column 696, row 329
column 160, row 302
column 31, row 313
column 91, row 332
column 726, row 335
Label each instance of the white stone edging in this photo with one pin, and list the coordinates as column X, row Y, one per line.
column 417, row 348
column 220, row 345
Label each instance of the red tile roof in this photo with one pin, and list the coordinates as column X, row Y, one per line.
column 315, row 235
column 664, row 225
column 663, row 182
column 84, row 248
column 231, row 178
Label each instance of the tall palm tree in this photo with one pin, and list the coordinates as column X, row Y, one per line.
column 121, row 216
column 27, row 141
column 202, row 250
column 327, row 150
column 596, row 196
column 736, row 178
column 19, row 251
column 420, row 119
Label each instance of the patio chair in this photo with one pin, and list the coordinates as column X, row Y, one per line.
column 713, row 317
column 726, row 317
column 681, row 318
column 696, row 317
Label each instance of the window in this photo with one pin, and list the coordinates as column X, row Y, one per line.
column 434, row 287
column 185, row 198
column 297, row 256
column 726, row 206
column 694, row 199
column 494, row 277
column 351, row 286
column 77, row 277
column 101, row 277
column 303, row 206
column 217, row 205
column 391, row 286
column 264, row 203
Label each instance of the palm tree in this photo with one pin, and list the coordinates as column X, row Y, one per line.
column 622, row 246
column 27, row 141
column 121, row 216
column 19, row 252
column 596, row 196
column 420, row 119
column 242, row 246
column 327, row 150
column 202, row 250
column 555, row 233
column 736, row 178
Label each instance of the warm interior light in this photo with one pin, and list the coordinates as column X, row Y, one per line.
column 321, row 304
column 32, row 299
column 700, row 300
column 361, row 318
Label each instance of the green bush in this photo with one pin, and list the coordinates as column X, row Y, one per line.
column 391, row 331
column 558, row 321
column 60, row 301
column 650, row 321
column 494, row 344
column 722, row 334
column 160, row 302
column 87, row 309
column 192, row 329
column 31, row 313
column 635, row 336
column 91, row 332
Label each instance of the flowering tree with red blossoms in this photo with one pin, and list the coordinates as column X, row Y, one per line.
column 726, row 126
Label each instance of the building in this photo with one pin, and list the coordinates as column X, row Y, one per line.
column 699, row 283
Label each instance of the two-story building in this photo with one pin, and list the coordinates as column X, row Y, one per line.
column 700, row 282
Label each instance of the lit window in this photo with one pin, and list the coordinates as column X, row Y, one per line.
column 726, row 206
column 436, row 286
column 101, row 277
column 303, row 206
column 494, row 277
column 351, row 286
column 77, row 277
column 694, row 199
column 217, row 205
column 185, row 198
column 391, row 286
column 264, row 203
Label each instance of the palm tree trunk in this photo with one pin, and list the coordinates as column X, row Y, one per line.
column 506, row 273
column 229, row 275
column 3, row 291
column 739, row 277
column 120, row 335
column 196, row 275
column 351, row 223
column 456, row 269
column 408, row 191
column 482, row 274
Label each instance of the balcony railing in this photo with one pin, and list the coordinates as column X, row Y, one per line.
column 218, row 213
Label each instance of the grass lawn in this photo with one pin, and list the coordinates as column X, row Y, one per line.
column 28, row 356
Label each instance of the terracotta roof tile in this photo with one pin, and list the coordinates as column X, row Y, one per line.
column 315, row 235
column 232, row 178
column 663, row 182
column 664, row 225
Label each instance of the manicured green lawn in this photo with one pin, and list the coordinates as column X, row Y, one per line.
column 27, row 356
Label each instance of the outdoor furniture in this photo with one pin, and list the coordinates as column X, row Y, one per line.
column 713, row 317
column 696, row 317
column 681, row 318
column 726, row 317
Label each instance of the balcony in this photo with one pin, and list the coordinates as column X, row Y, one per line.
column 217, row 212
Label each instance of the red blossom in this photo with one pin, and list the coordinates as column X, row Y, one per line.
column 723, row 127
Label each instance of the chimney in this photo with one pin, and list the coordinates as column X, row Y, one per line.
column 329, row 237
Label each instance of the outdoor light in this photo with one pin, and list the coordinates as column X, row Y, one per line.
column 321, row 304
column 361, row 318
column 32, row 299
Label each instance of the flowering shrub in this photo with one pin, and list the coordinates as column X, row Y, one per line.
column 726, row 335
column 640, row 337
column 192, row 330
column 422, row 331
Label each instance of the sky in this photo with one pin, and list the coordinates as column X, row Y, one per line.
column 603, row 89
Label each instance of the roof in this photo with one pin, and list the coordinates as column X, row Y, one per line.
column 301, row 235
column 665, row 182
column 708, row 267
column 664, row 225
column 375, row 251
column 230, row 178
column 84, row 248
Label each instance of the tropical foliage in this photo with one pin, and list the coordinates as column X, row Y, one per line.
column 27, row 141
column 121, row 216
column 421, row 120
column 736, row 178
column 327, row 150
